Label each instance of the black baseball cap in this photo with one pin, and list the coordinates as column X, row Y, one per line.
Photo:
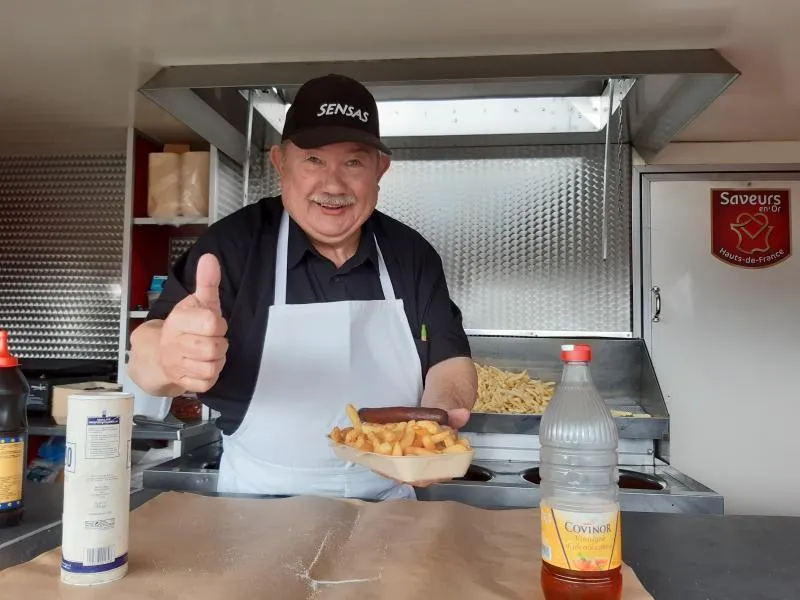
column 333, row 109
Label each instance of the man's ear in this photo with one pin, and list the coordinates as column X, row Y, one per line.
column 384, row 161
column 276, row 156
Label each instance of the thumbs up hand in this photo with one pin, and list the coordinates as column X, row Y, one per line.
column 193, row 345
column 207, row 282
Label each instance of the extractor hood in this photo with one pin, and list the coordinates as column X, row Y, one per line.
column 646, row 98
column 477, row 116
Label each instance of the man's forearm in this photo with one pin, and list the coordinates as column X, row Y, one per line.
column 450, row 384
column 144, row 367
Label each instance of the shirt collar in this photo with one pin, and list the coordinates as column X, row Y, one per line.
column 299, row 245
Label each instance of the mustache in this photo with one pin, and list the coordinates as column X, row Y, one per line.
column 333, row 200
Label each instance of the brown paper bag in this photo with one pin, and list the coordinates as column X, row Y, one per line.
column 188, row 547
column 195, row 168
column 164, row 185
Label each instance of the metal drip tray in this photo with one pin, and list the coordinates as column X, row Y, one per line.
column 628, row 480
column 515, row 484
column 487, row 484
column 476, row 473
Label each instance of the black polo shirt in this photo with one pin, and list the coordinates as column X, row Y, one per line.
column 245, row 243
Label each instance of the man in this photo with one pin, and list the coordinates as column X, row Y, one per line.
column 291, row 308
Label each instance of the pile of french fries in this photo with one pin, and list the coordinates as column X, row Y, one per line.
column 507, row 392
column 409, row 438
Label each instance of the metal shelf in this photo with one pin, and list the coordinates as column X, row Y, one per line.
column 174, row 221
column 42, row 425
column 649, row 428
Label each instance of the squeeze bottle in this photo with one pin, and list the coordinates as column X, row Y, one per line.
column 14, row 390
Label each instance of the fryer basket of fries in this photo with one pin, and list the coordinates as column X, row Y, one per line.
column 518, row 377
column 408, row 451
column 506, row 391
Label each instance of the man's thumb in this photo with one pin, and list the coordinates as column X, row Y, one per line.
column 207, row 281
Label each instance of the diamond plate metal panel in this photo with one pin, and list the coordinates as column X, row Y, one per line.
column 264, row 180
column 519, row 230
column 61, row 230
column 229, row 187
column 178, row 245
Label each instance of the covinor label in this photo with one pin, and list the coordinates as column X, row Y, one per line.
column 751, row 228
column 581, row 541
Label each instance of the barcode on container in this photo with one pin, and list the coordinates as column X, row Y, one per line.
column 98, row 556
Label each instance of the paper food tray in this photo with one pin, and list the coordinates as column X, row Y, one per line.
column 409, row 468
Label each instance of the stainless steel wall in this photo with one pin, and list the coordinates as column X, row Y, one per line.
column 229, row 187
column 178, row 245
column 519, row 230
column 61, row 230
column 263, row 179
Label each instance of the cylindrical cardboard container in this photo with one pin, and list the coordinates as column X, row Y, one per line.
column 97, row 475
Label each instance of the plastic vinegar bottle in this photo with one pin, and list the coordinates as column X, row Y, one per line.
column 13, row 435
column 580, row 524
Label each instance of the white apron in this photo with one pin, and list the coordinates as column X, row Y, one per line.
column 317, row 358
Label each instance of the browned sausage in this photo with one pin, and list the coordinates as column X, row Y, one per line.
column 398, row 414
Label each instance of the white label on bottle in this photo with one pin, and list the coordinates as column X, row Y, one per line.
column 96, row 487
column 102, row 437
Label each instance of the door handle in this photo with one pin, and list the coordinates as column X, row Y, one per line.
column 657, row 293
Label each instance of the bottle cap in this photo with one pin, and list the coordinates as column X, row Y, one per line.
column 6, row 360
column 576, row 353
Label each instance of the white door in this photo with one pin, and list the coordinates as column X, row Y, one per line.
column 726, row 349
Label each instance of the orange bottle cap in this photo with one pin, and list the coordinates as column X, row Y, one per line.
column 6, row 360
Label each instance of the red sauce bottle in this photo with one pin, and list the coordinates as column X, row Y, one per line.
column 13, row 435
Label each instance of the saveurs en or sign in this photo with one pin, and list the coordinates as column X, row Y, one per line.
column 751, row 228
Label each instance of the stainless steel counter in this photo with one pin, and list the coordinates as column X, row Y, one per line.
column 38, row 531
column 490, row 484
column 651, row 489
